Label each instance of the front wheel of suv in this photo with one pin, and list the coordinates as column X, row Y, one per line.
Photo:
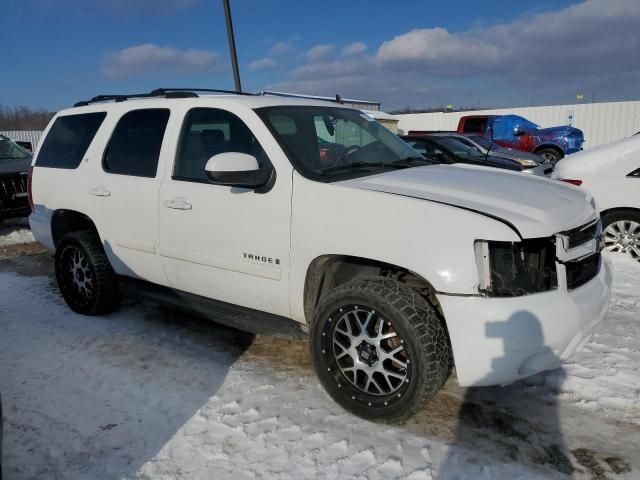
column 379, row 348
column 85, row 277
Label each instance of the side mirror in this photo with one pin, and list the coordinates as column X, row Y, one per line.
column 235, row 169
column 518, row 131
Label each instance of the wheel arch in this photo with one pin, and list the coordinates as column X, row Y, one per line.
column 64, row 221
column 612, row 210
column 551, row 146
column 329, row 271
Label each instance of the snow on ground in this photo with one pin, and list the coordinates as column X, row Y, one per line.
column 15, row 231
column 153, row 394
column 605, row 375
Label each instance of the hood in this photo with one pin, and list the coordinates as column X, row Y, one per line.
column 535, row 206
column 563, row 131
column 496, row 161
column 517, row 154
column 15, row 166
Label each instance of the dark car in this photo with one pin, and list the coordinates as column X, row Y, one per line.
column 14, row 167
column 514, row 131
column 444, row 149
column 28, row 146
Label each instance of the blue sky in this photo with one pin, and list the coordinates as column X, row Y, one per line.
column 410, row 53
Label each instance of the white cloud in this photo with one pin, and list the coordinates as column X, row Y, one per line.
column 354, row 49
column 150, row 58
column 594, row 36
column 262, row 64
column 590, row 46
column 280, row 48
column 320, row 52
column 436, row 46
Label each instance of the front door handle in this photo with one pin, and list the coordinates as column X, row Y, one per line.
column 178, row 204
column 100, row 191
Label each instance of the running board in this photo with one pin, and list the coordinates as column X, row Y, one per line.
column 235, row 316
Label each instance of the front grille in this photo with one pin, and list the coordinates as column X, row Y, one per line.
column 10, row 185
column 579, row 235
column 580, row 272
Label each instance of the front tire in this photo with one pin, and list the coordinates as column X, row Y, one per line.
column 85, row 277
column 621, row 231
column 550, row 155
column 379, row 348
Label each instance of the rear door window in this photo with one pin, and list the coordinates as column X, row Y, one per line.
column 134, row 148
column 68, row 140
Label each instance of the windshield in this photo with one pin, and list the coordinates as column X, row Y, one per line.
column 483, row 142
column 524, row 123
column 456, row 147
column 331, row 143
column 468, row 143
column 10, row 150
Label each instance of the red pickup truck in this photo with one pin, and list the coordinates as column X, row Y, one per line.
column 513, row 131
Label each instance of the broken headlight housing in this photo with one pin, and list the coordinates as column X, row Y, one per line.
column 513, row 269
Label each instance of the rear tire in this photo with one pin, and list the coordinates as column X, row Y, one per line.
column 355, row 331
column 550, row 155
column 85, row 277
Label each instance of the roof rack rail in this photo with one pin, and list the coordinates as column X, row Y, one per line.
column 158, row 92
column 106, row 98
column 338, row 98
column 164, row 91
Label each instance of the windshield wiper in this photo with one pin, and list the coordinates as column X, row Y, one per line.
column 411, row 162
column 355, row 166
column 403, row 163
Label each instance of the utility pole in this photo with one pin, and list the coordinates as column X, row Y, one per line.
column 232, row 46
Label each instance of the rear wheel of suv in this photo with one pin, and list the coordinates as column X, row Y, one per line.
column 379, row 348
column 85, row 277
column 621, row 230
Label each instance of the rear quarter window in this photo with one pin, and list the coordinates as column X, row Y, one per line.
column 68, row 140
column 475, row 125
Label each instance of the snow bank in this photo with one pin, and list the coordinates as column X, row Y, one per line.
column 22, row 235
column 15, row 231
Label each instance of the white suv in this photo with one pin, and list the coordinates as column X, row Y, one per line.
column 258, row 209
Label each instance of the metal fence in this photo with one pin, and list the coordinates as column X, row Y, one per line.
column 600, row 122
column 32, row 136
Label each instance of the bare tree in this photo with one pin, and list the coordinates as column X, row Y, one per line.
column 23, row 118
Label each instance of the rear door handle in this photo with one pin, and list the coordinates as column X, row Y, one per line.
column 100, row 191
column 178, row 204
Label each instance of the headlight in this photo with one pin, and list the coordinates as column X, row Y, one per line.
column 527, row 163
column 512, row 269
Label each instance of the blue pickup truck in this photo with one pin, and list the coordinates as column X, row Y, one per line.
column 513, row 131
